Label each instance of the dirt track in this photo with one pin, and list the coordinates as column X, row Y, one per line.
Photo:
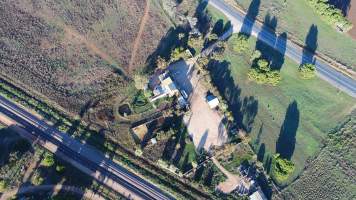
column 139, row 34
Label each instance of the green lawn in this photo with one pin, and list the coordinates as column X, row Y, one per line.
column 297, row 17
column 306, row 108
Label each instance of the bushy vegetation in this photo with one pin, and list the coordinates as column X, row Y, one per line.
column 3, row 185
column 281, row 168
column 307, row 71
column 240, row 43
column 263, row 74
column 48, row 160
column 140, row 103
column 15, row 153
column 233, row 155
column 196, row 43
column 331, row 174
column 179, row 53
column 330, row 14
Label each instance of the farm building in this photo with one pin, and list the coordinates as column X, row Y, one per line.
column 213, row 101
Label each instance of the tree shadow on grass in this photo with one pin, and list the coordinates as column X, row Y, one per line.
column 271, row 46
column 166, row 45
column 285, row 144
column 343, row 5
column 244, row 109
column 311, row 44
column 261, row 152
column 218, row 28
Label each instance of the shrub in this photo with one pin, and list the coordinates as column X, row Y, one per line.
column 196, row 43
column 3, row 185
column 140, row 81
column 307, row 71
column 37, row 179
column 330, row 14
column 179, row 53
column 161, row 63
column 263, row 74
column 213, row 37
column 48, row 160
column 281, row 168
column 240, row 43
column 60, row 168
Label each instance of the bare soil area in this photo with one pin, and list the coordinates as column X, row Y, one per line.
column 351, row 15
column 205, row 125
column 73, row 51
column 348, row 7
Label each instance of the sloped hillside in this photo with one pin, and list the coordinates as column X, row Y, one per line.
column 74, row 51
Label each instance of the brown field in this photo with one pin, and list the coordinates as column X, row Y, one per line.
column 75, row 51
column 351, row 15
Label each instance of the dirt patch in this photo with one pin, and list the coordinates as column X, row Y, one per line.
column 139, row 34
column 204, row 124
column 351, row 15
column 348, row 8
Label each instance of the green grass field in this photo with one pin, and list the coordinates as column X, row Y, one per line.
column 320, row 107
column 297, row 17
column 329, row 176
column 308, row 109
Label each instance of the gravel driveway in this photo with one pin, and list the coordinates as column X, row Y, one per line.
column 204, row 124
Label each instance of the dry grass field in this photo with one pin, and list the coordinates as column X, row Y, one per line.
column 75, row 51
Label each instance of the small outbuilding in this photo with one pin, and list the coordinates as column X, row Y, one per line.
column 213, row 101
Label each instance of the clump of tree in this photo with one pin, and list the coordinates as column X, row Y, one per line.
column 307, row 71
column 218, row 52
column 3, row 185
column 179, row 53
column 60, row 168
column 330, row 14
column 263, row 74
column 240, row 43
column 37, row 179
column 281, row 168
column 48, row 160
column 161, row 63
column 196, row 42
column 212, row 38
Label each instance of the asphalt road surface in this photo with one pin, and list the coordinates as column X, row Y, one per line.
column 82, row 153
column 293, row 51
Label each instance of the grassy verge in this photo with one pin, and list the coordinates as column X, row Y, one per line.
column 296, row 18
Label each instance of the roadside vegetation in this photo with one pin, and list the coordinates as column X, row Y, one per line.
column 330, row 14
column 24, row 164
column 307, row 71
column 296, row 17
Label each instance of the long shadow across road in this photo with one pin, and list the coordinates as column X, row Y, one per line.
column 292, row 50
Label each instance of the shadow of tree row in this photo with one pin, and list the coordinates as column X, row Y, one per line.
column 244, row 109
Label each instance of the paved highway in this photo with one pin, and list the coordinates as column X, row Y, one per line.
column 82, row 153
column 293, row 51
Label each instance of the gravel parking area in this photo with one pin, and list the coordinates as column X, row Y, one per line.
column 204, row 124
